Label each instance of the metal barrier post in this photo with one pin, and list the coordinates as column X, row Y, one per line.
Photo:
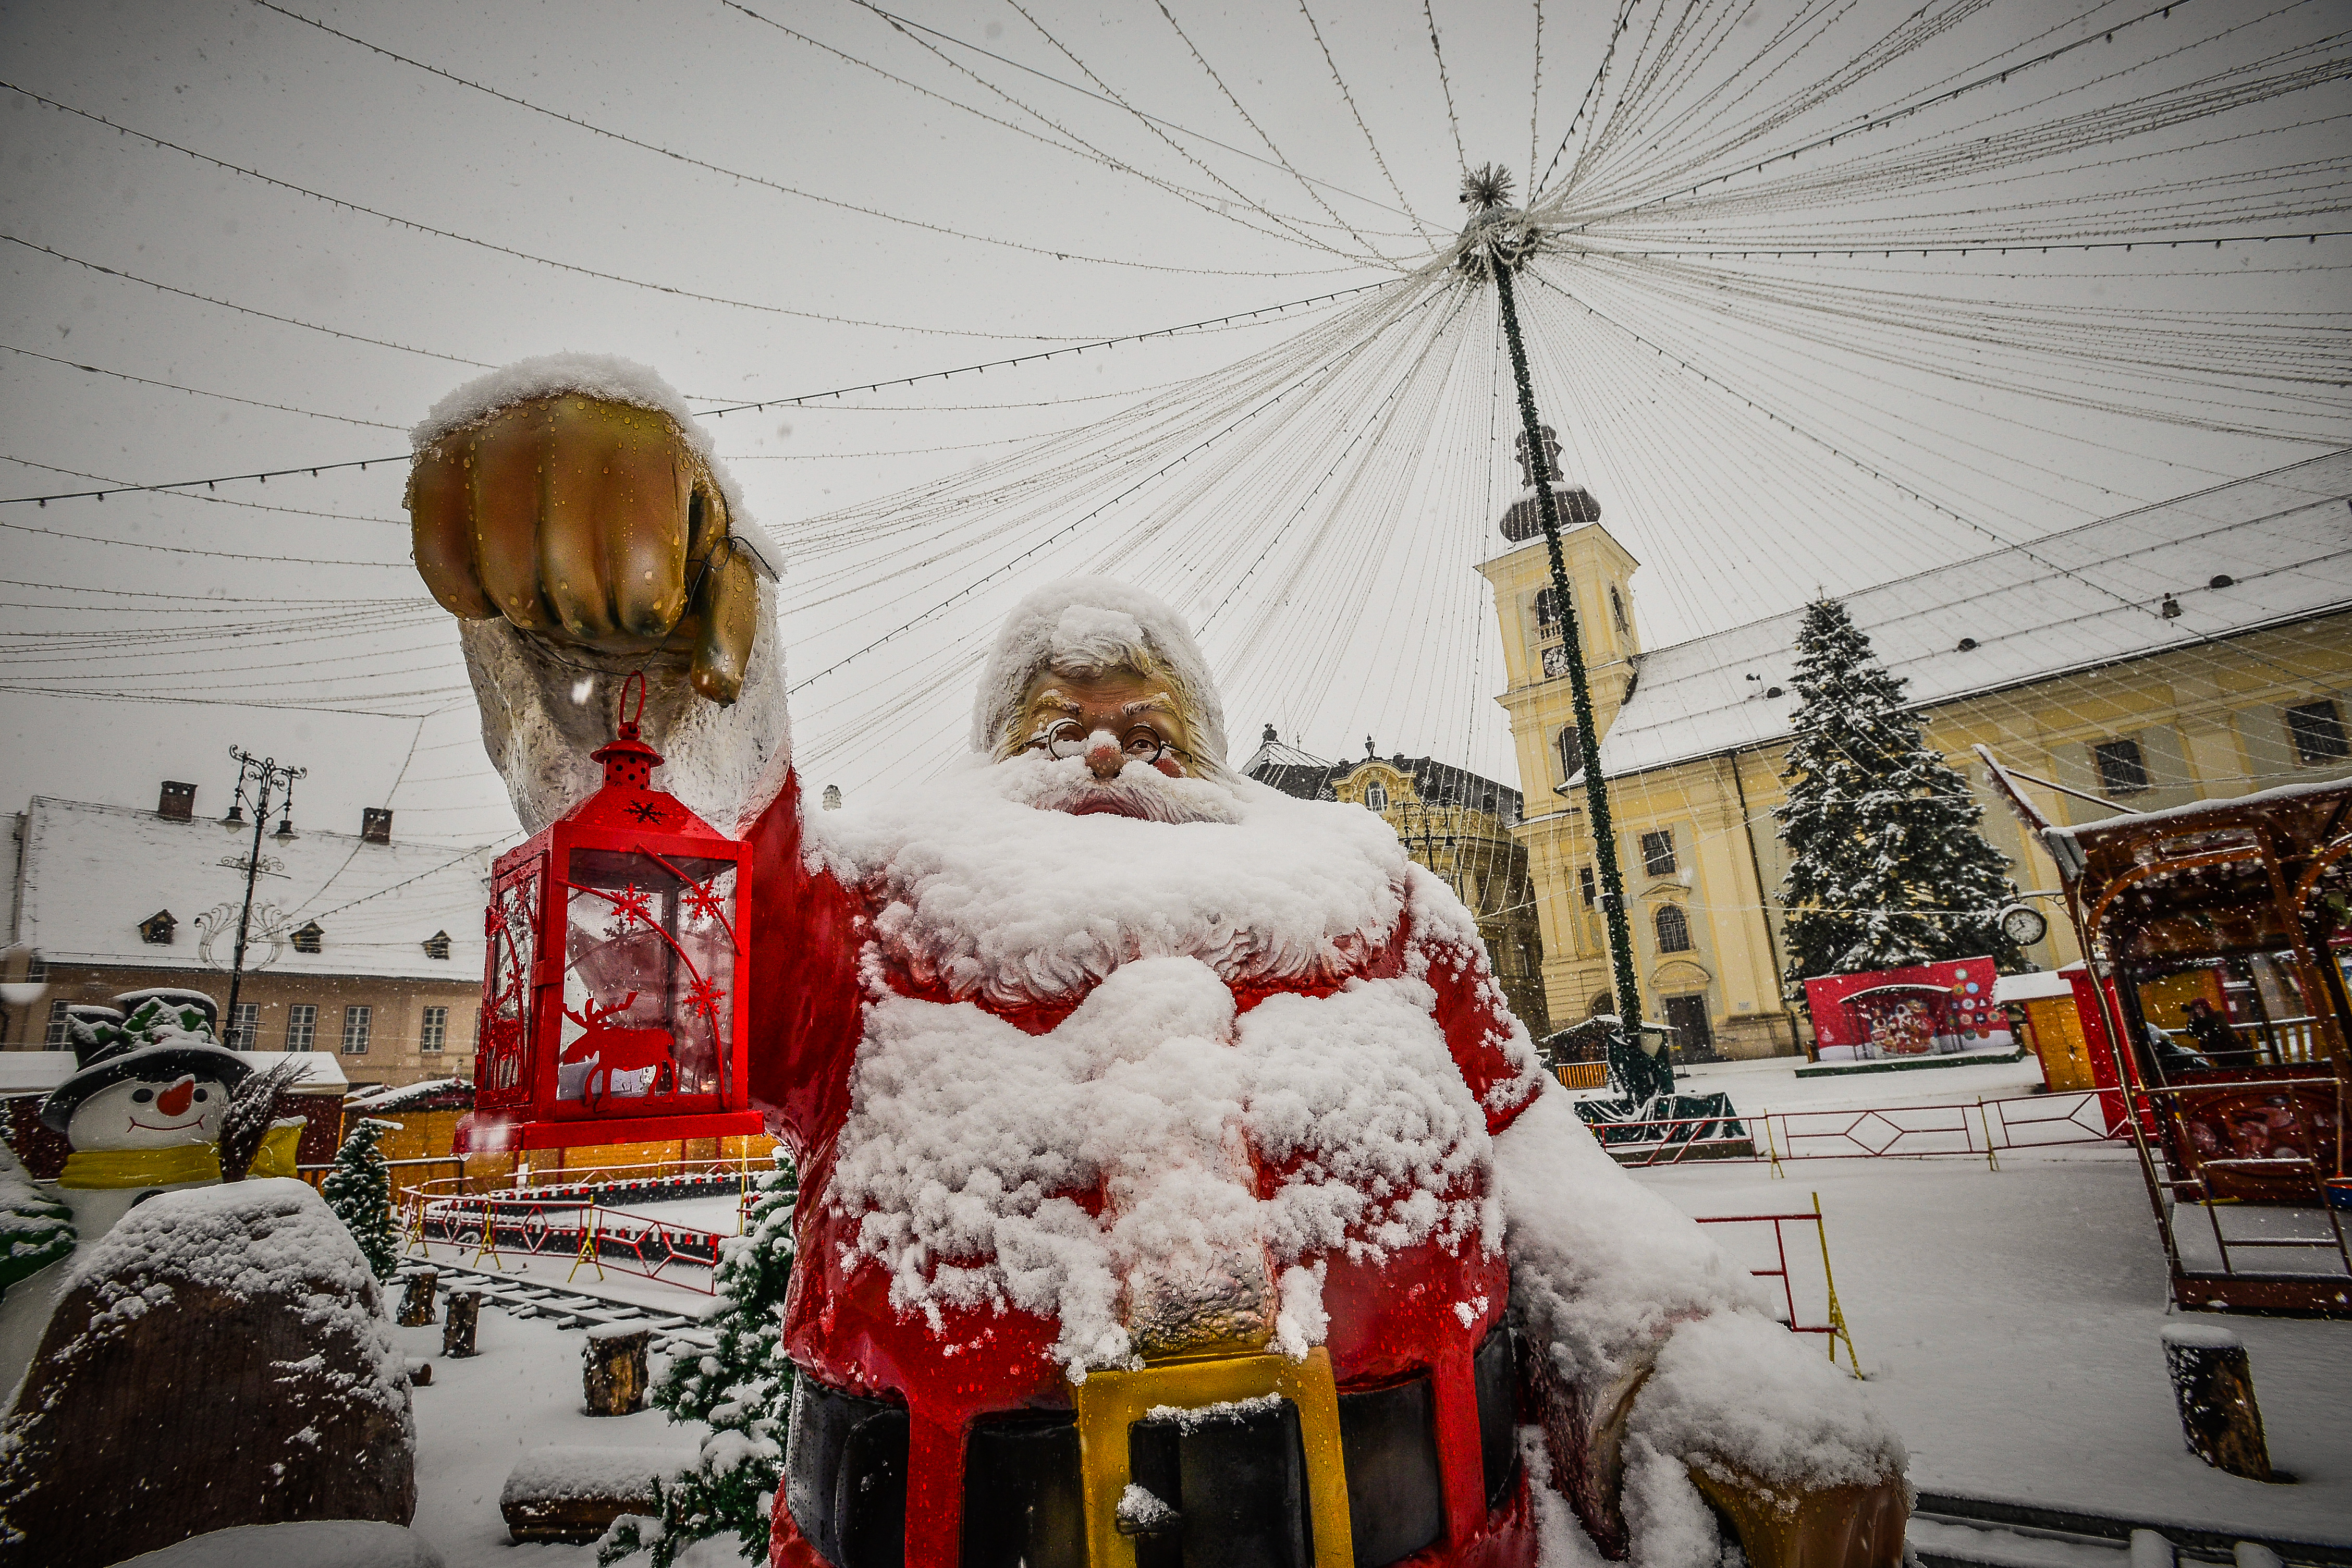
column 589, row 1252
column 490, row 1238
column 1992, row 1158
column 1771, row 1149
column 1838, row 1330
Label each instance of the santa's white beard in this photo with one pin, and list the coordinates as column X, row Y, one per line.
column 1138, row 790
column 991, row 884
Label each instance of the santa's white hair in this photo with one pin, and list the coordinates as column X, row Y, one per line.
column 1083, row 626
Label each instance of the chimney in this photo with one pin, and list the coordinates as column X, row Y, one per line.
column 375, row 824
column 177, row 803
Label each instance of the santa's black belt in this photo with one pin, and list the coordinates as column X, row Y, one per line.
column 1232, row 1485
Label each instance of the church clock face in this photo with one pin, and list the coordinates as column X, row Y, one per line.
column 2024, row 925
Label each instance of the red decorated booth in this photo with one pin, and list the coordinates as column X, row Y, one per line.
column 613, row 1006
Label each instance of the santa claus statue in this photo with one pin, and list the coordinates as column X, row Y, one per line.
column 1175, row 1185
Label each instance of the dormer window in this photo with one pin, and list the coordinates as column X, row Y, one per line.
column 437, row 945
column 157, row 928
column 1376, row 796
column 309, row 938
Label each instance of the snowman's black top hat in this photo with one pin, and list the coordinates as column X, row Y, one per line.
column 123, row 1058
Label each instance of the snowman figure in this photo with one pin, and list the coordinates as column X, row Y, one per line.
column 143, row 1108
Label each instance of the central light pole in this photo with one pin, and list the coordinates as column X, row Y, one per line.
column 263, row 774
column 1498, row 242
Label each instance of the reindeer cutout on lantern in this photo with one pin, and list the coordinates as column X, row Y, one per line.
column 607, row 1049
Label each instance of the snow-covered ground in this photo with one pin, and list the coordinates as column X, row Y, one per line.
column 483, row 1413
column 2008, row 1324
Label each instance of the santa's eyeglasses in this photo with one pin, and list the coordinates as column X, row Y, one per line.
column 1069, row 738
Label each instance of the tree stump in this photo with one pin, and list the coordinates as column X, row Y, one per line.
column 2213, row 1384
column 458, row 1327
column 613, row 1365
column 417, row 1299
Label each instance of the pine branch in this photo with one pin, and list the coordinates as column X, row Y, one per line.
column 252, row 1108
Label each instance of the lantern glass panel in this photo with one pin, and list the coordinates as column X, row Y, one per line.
column 505, row 1041
column 650, row 976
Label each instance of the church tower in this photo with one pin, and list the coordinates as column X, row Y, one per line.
column 1543, row 718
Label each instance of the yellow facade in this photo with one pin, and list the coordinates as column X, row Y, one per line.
column 2207, row 719
column 1469, row 844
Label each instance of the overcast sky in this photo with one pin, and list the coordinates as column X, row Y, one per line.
column 1739, row 464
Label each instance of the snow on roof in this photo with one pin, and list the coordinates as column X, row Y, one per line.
column 451, row 1092
column 2034, row 611
column 2034, row 987
column 93, row 873
column 37, row 1072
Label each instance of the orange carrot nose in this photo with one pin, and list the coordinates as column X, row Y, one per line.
column 173, row 1101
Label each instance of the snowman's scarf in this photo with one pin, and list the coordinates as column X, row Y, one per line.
column 977, row 892
column 176, row 1163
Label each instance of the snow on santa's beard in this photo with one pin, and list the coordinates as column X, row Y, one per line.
column 139, row 1114
column 1152, row 1091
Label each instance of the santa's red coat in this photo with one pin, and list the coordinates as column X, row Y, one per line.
column 1388, row 1319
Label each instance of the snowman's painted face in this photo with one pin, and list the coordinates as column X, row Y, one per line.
column 140, row 1114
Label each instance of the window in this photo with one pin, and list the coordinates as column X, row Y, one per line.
column 1376, row 796
column 2122, row 770
column 1693, row 1033
column 36, row 971
column 1571, row 744
column 2317, row 731
column 1617, row 606
column 1658, row 852
column 1584, row 884
column 435, row 1030
column 356, row 1021
column 157, row 928
column 302, row 1025
column 57, row 1031
column 1547, row 608
column 244, row 1029
column 309, row 938
column 1674, row 929
column 437, row 945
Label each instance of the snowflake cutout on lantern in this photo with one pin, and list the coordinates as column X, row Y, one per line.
column 704, row 998
column 646, row 812
column 630, row 909
column 703, row 902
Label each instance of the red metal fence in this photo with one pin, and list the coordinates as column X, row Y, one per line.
column 1835, row 1326
column 591, row 1234
column 1974, row 1129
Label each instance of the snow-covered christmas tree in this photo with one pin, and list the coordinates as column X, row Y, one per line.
column 35, row 1229
column 744, row 1388
column 1886, row 865
column 359, row 1189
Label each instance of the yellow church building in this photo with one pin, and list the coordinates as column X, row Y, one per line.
column 2198, row 648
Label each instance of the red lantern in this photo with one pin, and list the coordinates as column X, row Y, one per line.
column 613, row 1003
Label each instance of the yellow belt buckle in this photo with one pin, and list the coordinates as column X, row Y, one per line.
column 1110, row 1402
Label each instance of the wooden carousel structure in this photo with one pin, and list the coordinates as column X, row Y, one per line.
column 2218, row 936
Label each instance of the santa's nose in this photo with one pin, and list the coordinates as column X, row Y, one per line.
column 1104, row 759
column 173, row 1101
